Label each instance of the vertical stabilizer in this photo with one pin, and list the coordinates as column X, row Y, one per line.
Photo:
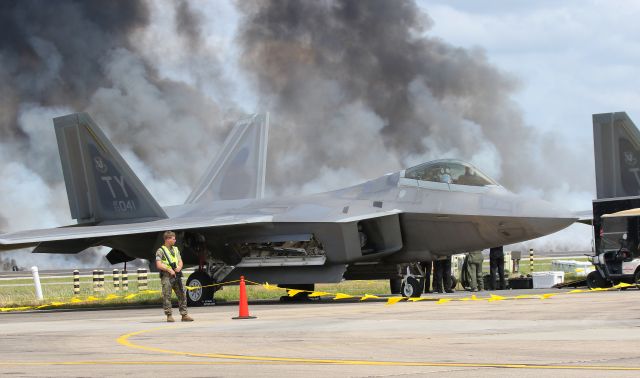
column 616, row 143
column 100, row 185
column 238, row 172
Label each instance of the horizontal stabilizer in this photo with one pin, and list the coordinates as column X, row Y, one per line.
column 65, row 246
column 238, row 172
column 116, row 256
column 101, row 187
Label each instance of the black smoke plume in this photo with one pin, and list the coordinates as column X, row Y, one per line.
column 95, row 56
column 360, row 85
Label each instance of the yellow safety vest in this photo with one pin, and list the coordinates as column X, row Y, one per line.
column 172, row 254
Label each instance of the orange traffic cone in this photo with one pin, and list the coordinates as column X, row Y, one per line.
column 244, row 306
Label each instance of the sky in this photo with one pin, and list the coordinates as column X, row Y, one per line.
column 507, row 85
column 572, row 59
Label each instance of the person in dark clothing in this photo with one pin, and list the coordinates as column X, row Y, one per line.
column 442, row 275
column 427, row 265
column 496, row 263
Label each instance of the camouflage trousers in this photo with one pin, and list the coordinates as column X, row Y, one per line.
column 169, row 283
column 476, row 277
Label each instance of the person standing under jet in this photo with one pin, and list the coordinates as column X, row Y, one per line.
column 474, row 268
column 496, row 265
column 427, row 265
column 442, row 275
column 169, row 263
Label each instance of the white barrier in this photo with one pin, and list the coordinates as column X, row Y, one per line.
column 36, row 282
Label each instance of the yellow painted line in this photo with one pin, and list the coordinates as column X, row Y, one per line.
column 122, row 362
column 125, row 340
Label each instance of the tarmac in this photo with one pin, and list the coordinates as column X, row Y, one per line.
column 569, row 335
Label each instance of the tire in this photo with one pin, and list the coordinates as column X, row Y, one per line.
column 395, row 285
column 595, row 280
column 636, row 278
column 411, row 287
column 197, row 297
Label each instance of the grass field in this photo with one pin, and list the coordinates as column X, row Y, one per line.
column 21, row 292
column 61, row 290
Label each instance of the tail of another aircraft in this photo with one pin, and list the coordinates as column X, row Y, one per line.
column 100, row 185
column 238, row 172
column 617, row 152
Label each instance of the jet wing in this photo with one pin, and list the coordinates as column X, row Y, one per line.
column 23, row 239
column 31, row 237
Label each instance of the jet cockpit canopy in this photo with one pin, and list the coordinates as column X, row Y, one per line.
column 449, row 171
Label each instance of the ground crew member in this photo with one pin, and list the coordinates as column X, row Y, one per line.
column 169, row 263
column 496, row 265
column 474, row 268
column 442, row 275
column 427, row 265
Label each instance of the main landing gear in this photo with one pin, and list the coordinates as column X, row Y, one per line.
column 198, row 297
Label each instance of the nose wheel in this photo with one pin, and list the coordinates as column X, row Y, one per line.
column 411, row 287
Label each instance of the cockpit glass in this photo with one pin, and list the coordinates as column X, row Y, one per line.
column 450, row 172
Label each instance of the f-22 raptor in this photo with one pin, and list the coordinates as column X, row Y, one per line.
column 226, row 227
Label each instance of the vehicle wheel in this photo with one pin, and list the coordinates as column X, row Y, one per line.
column 595, row 280
column 197, row 297
column 395, row 285
column 411, row 287
column 636, row 278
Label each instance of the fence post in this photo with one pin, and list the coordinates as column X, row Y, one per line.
column 142, row 279
column 76, row 282
column 101, row 280
column 116, row 280
column 125, row 280
column 96, row 280
column 36, row 282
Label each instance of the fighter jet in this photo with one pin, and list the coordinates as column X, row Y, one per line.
column 226, row 227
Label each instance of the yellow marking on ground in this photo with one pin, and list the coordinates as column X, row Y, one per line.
column 122, row 362
column 125, row 341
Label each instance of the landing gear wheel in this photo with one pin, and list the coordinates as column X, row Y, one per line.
column 595, row 280
column 412, row 287
column 395, row 285
column 197, row 297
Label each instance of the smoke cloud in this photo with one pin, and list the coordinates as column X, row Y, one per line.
column 355, row 90
column 67, row 56
column 367, row 75
column 361, row 88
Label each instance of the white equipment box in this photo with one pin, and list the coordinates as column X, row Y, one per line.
column 545, row 280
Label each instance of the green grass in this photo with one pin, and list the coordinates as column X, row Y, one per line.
column 539, row 265
column 62, row 292
column 57, row 289
column 17, row 296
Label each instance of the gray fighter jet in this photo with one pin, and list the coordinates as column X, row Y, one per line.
column 367, row 231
